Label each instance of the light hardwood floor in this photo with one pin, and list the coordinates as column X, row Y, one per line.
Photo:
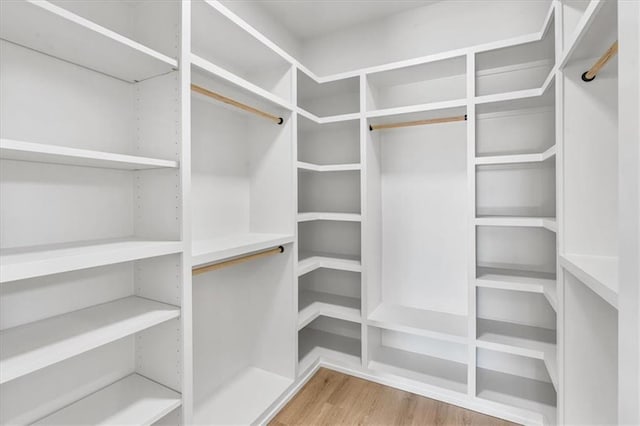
column 332, row 398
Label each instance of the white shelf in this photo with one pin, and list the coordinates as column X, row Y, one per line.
column 520, row 392
column 133, row 400
column 431, row 106
column 517, row 158
column 437, row 325
column 30, row 262
column 44, row 153
column 338, row 217
column 516, row 339
column 311, row 261
column 531, row 282
column 239, row 82
column 593, row 34
column 328, row 167
column 529, row 222
column 423, row 368
column 599, row 273
column 316, row 344
column 534, row 97
column 54, row 31
column 31, row 347
column 328, row 119
column 243, row 399
column 313, row 304
column 217, row 249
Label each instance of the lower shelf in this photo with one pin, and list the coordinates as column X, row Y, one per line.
column 314, row 344
column 313, row 304
column 423, row 368
column 311, row 261
column 133, row 400
column 242, row 399
column 519, row 392
column 30, row 347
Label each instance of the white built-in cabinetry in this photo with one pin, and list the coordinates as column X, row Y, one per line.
column 473, row 260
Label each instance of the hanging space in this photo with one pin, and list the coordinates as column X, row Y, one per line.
column 591, row 233
column 329, row 223
column 415, row 145
column 242, row 222
column 91, row 282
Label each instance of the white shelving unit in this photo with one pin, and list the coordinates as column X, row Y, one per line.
column 475, row 261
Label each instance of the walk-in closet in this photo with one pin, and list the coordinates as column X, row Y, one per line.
column 211, row 208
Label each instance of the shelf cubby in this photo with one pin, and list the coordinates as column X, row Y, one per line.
column 432, row 362
column 330, row 293
column 62, row 32
column 416, row 86
column 329, row 147
column 328, row 100
column 258, row 64
column 335, row 192
column 329, row 339
column 516, row 382
column 518, row 280
column 515, row 68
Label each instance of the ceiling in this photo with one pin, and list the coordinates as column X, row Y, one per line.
column 306, row 19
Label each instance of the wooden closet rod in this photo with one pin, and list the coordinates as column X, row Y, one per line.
column 236, row 261
column 592, row 72
column 229, row 101
column 418, row 122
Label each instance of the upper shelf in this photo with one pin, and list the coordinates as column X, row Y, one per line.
column 134, row 400
column 45, row 153
column 31, row 262
column 599, row 273
column 218, row 249
column 596, row 30
column 333, row 100
column 31, row 347
column 52, row 30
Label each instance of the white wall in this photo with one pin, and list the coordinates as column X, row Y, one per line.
column 429, row 29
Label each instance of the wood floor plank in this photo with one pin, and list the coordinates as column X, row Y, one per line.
column 330, row 398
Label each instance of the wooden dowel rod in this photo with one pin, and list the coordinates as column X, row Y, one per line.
column 270, row 252
column 229, row 101
column 595, row 69
column 418, row 122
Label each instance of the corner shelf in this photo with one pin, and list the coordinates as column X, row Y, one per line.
column 328, row 119
column 328, row 167
column 338, row 217
column 230, row 405
column 516, row 339
column 37, row 261
column 318, row 344
column 427, row 369
column 31, row 347
column 44, row 27
column 217, row 249
column 437, row 325
column 599, row 273
column 517, row 158
column 131, row 400
column 548, row 223
column 53, row 154
column 516, row 391
column 531, row 282
column 313, row 304
column 311, row 261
